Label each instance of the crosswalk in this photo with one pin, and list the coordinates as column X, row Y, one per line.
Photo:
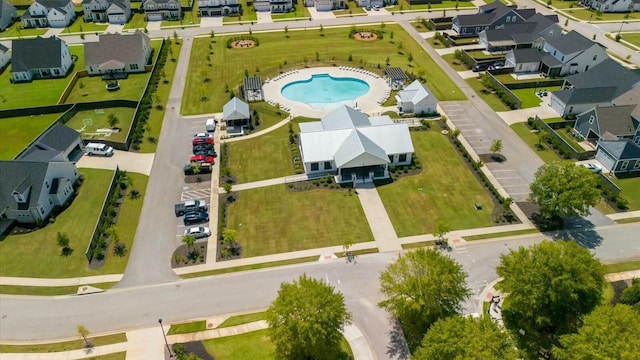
column 203, row 194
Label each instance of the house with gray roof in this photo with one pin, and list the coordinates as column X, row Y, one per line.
column 39, row 58
column 620, row 157
column 236, row 115
column 572, row 53
column 8, row 14
column 49, row 13
column 159, row 10
column 110, row 11
column 5, row 56
column 612, row 6
column 41, row 177
column 607, row 123
column 118, row 53
column 416, row 98
column 530, row 33
column 353, row 146
column 490, row 16
column 218, row 7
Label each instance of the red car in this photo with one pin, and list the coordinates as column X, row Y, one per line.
column 199, row 140
column 203, row 158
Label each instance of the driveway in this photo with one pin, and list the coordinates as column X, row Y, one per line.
column 126, row 160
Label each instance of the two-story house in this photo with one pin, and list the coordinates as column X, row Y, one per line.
column 218, row 7
column 5, row 56
column 158, row 10
column 118, row 53
column 49, row 13
column 573, row 53
column 612, row 6
column 490, row 16
column 39, row 58
column 8, row 14
column 111, row 11
column 529, row 34
column 274, row 6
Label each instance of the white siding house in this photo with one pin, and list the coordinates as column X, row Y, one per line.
column 416, row 98
column 5, row 56
column 111, row 11
column 218, row 7
column 612, row 6
column 39, row 58
column 575, row 52
column 158, row 10
column 49, row 13
column 7, row 14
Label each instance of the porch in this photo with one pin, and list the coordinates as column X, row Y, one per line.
column 362, row 174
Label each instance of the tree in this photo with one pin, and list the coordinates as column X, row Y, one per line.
column 84, row 333
column 496, row 146
column 442, row 229
column 551, row 285
column 175, row 36
column 410, row 57
column 212, row 34
column 189, row 240
column 421, row 287
column 564, row 189
column 631, row 295
column 229, row 236
column 459, row 337
column 609, row 332
column 62, row 239
column 306, row 318
column 113, row 120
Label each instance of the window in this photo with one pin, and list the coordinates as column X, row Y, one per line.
column 402, row 157
column 56, row 71
column 50, row 201
column 513, row 18
column 390, row 158
column 591, row 119
column 636, row 165
column 46, row 183
column 327, row 165
column 554, row 53
column 595, row 57
column 41, row 210
column 562, row 59
column 508, row 18
column 625, row 165
column 133, row 66
column 314, row 166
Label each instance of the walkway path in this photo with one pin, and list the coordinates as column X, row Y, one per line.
column 378, row 219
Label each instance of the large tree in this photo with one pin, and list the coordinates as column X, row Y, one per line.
column 306, row 318
column 459, row 337
column 551, row 285
column 421, row 287
column 562, row 189
column 609, row 332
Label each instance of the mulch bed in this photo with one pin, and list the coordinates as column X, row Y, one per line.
column 371, row 36
column 180, row 255
column 197, row 348
column 243, row 44
column 489, row 158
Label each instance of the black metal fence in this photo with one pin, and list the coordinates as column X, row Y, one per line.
column 98, row 230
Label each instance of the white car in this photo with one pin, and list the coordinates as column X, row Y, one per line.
column 593, row 167
column 198, row 232
column 202, row 135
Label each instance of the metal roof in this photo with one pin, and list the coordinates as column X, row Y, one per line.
column 395, row 73
column 414, row 92
column 253, row 83
column 235, row 109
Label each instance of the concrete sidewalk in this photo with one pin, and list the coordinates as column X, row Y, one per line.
column 378, row 219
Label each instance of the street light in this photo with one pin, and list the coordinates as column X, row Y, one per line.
column 620, row 30
column 165, row 339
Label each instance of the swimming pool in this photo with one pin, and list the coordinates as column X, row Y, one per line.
column 323, row 91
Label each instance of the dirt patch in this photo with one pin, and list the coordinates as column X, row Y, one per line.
column 489, row 158
column 366, row 36
column 243, row 44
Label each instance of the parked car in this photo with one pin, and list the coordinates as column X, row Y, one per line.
column 203, row 135
column 210, row 125
column 203, row 158
column 202, row 147
column 205, row 151
column 197, row 168
column 190, row 206
column 98, row 149
column 199, row 140
column 593, row 167
column 480, row 67
column 198, row 232
column 376, row 7
column 496, row 65
column 195, row 218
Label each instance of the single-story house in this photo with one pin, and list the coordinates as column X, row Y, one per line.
column 218, row 7
column 159, row 10
column 252, row 87
column 118, row 53
column 5, row 56
column 111, row 11
column 49, row 13
column 395, row 77
column 39, row 58
column 416, row 98
column 612, row 6
column 8, row 14
column 607, row 123
column 620, row 157
column 236, row 115
column 354, row 147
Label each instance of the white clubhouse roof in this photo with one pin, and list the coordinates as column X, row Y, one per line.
column 414, row 93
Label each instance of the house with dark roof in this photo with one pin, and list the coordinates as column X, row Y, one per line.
column 530, row 33
column 49, row 13
column 218, row 7
column 236, row 115
column 607, row 123
column 41, row 177
column 8, row 14
column 572, row 53
column 353, row 146
column 111, row 11
column 5, row 56
column 118, row 53
column 524, row 60
column 39, row 58
column 159, row 10
column 612, row 6
column 490, row 16
column 620, row 157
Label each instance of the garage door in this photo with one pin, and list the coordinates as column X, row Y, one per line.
column 605, row 159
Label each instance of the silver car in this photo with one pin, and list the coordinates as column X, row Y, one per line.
column 198, row 232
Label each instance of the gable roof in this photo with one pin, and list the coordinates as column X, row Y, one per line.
column 615, row 120
column 4, row 5
column 56, row 4
column 235, row 109
column 571, row 42
column 622, row 149
column 55, row 140
column 526, row 55
column 124, row 49
column 630, row 97
column 607, row 73
column 38, row 53
column 20, row 176
column 586, row 96
column 355, row 145
column 344, row 117
column 3, row 48
column 414, row 92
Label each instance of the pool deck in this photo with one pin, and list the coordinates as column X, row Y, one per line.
column 369, row 103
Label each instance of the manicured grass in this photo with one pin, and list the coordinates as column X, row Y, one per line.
column 562, row 4
column 18, row 132
column 89, row 121
column 416, row 245
column 251, row 267
column 444, row 190
column 242, row 319
column 269, row 115
column 36, row 254
column 418, row 26
column 623, row 266
column 529, row 97
column 491, row 99
column 353, row 9
column 455, row 64
column 272, row 220
column 79, row 26
column 112, row 356
column 435, row 43
column 566, row 136
column 275, row 49
column 186, row 328
column 248, row 14
column 64, row 346
column 263, row 157
column 584, row 14
column 137, row 21
column 501, row 234
column 531, row 138
column 630, row 190
column 189, row 18
column 482, row 55
column 446, row 4
column 300, row 12
column 48, row 290
column 39, row 92
column 15, row 30
column 628, row 220
column 633, row 38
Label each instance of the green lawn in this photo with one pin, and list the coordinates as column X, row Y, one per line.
column 79, row 26
column 624, row 266
column 242, row 319
column 48, row 290
column 455, row 64
column 446, row 4
column 530, row 137
column 335, row 46
column 65, row 345
column 36, row 254
column 248, row 14
column 269, row 115
column 562, row 4
column 272, row 220
column 189, row 327
column 435, row 43
column 482, row 55
column 501, row 234
column 39, row 92
column 263, row 157
column 529, row 97
column 416, row 203
column 306, row 259
column 633, row 38
column 584, row 14
column 418, row 26
column 300, row 12
column 189, row 18
column 89, row 121
column 491, row 99
column 137, row 21
column 566, row 135
column 630, row 190
column 353, row 9
column 18, row 132
column 16, row 30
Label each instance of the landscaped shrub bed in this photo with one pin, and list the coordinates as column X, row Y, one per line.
column 354, row 30
column 233, row 39
column 505, row 97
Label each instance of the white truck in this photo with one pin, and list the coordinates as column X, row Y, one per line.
column 98, row 149
column 190, row 206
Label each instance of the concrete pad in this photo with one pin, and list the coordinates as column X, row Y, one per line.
column 264, row 17
column 153, row 25
column 147, row 343
column 378, row 219
column 129, row 161
column 114, row 28
column 358, row 343
column 320, row 15
column 211, row 21
column 467, row 74
column 85, row 290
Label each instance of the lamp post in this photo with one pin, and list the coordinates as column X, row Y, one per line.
column 620, row 30
column 165, row 339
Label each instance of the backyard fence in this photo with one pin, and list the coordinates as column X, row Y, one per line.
column 500, row 87
column 557, row 139
column 99, row 229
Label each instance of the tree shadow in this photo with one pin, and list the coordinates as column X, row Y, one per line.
column 397, row 347
column 581, row 230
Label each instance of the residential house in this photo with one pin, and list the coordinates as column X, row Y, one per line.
column 612, row 6
column 236, row 115
column 218, row 7
column 49, row 13
column 252, row 88
column 39, row 58
column 530, row 33
column 572, row 53
column 524, row 60
column 598, row 86
column 371, row 3
column 274, row 6
column 8, row 14
column 353, row 146
column 111, row 11
column 327, row 5
column 490, row 16
column 158, row 10
column 118, row 53
column 5, row 56
column 620, row 157
column 608, row 123
column 41, row 178
column 395, row 77
column 416, row 98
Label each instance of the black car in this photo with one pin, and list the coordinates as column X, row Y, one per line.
column 205, row 152
column 195, row 218
column 480, row 67
column 202, row 147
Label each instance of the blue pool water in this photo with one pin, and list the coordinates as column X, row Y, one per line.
column 325, row 92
